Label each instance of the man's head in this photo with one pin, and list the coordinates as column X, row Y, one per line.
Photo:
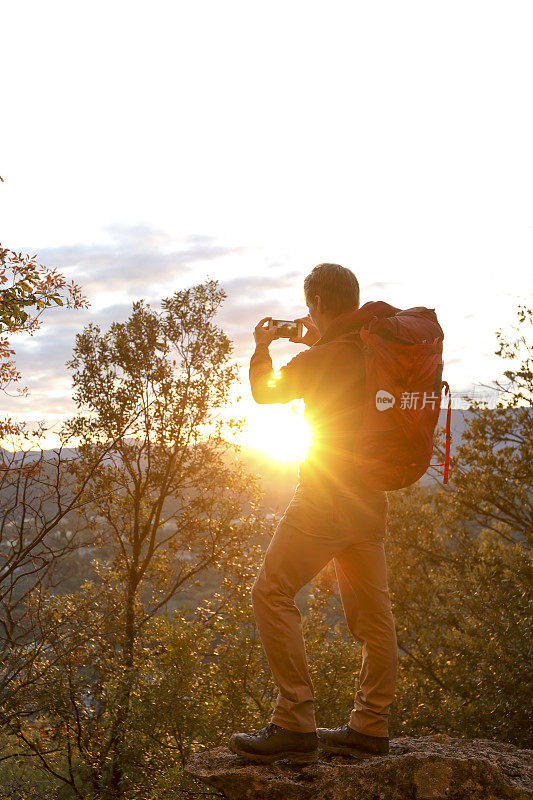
column 330, row 290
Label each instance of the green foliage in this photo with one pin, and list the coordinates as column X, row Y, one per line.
column 26, row 290
column 198, row 675
column 25, row 284
column 20, row 777
column 461, row 607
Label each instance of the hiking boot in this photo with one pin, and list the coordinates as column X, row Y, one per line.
column 274, row 742
column 347, row 741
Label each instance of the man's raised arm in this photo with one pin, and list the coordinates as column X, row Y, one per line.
column 268, row 386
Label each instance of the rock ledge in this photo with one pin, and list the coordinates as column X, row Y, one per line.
column 427, row 768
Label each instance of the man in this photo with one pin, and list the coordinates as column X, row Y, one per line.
column 331, row 515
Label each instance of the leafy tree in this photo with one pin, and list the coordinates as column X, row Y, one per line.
column 169, row 502
column 493, row 468
column 200, row 674
column 36, row 494
column 26, row 289
column 35, row 497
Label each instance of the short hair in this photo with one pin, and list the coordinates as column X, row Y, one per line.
column 337, row 286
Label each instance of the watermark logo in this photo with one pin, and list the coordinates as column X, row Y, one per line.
column 384, row 400
column 484, row 397
column 418, row 400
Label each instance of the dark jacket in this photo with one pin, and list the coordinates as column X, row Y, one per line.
column 329, row 376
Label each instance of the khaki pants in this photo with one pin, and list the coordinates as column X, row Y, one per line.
column 320, row 524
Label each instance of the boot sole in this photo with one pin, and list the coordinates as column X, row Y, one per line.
column 290, row 755
column 338, row 749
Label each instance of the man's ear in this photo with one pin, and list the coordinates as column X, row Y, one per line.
column 318, row 303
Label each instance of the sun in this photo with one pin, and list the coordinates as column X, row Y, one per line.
column 279, row 430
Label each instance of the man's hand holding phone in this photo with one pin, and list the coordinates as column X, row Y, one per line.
column 264, row 335
column 311, row 335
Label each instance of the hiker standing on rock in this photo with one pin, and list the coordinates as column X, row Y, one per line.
column 331, row 515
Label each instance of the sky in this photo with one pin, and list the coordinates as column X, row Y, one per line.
column 147, row 146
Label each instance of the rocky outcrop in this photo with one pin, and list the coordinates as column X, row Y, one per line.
column 427, row 768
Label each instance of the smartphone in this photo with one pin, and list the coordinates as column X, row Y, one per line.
column 286, row 328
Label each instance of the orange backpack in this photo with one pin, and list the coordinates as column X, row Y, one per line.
column 403, row 362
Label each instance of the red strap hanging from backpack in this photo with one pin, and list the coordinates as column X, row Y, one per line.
column 446, row 462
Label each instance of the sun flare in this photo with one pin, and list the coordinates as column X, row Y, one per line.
column 280, row 431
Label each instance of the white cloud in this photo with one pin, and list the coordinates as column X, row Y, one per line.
column 138, row 263
column 136, row 258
